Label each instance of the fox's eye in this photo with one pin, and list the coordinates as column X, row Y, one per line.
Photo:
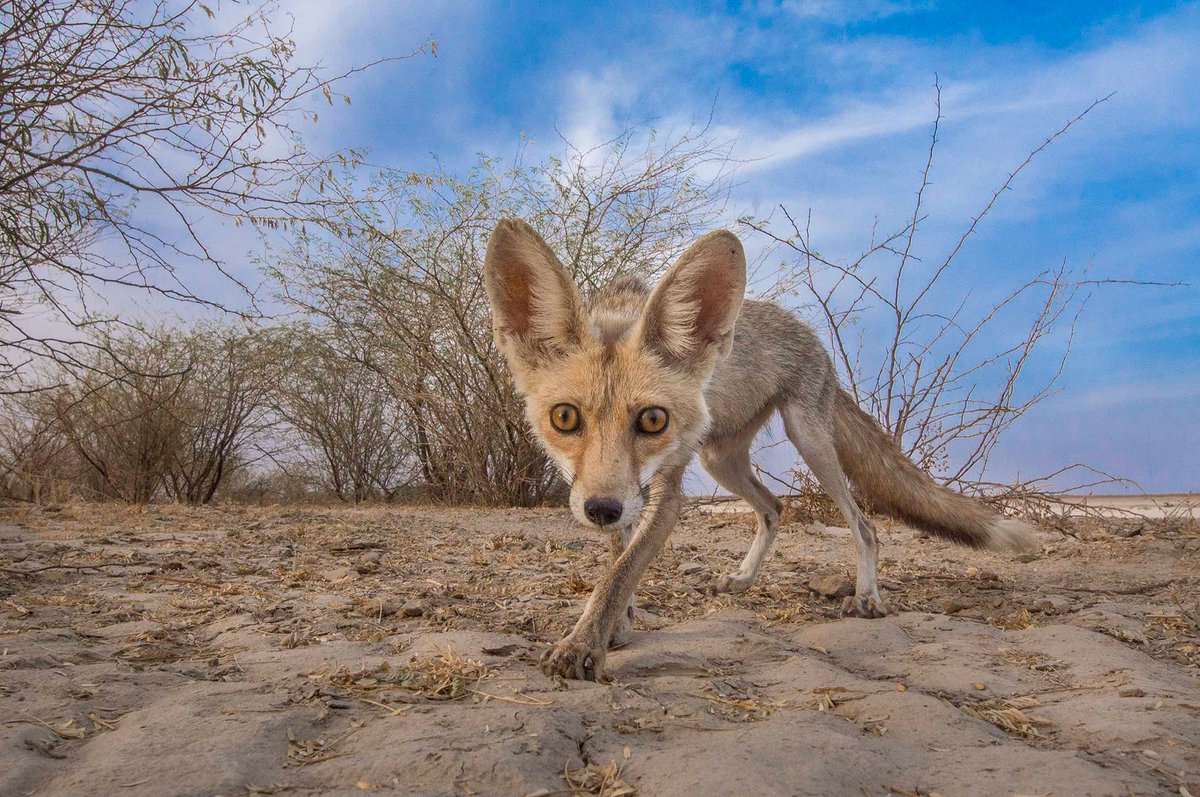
column 564, row 417
column 652, row 420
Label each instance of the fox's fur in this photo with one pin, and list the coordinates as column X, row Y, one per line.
column 719, row 366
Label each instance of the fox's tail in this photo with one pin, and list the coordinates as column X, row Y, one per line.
column 895, row 486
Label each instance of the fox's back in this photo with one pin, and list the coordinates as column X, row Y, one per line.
column 775, row 356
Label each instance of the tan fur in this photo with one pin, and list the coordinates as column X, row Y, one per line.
column 895, row 486
column 720, row 367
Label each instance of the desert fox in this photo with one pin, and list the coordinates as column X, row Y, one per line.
column 623, row 390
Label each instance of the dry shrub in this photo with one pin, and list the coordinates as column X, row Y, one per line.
column 944, row 374
column 179, row 416
column 36, row 460
column 399, row 292
column 806, row 502
column 350, row 436
column 131, row 135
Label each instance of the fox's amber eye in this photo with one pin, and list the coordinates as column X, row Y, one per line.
column 652, row 420
column 564, row 417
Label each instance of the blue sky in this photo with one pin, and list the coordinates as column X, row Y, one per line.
column 830, row 104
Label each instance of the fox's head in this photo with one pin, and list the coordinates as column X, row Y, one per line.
column 614, row 392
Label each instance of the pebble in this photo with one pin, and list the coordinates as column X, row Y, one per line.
column 956, row 604
column 690, row 568
column 1131, row 691
column 339, row 574
column 414, row 608
column 831, row 586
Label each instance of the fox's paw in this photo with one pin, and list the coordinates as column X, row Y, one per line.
column 869, row 606
column 732, row 582
column 574, row 660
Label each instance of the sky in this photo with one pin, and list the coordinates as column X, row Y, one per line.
column 829, row 107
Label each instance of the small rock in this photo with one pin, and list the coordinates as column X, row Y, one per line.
column 376, row 607
column 690, row 568
column 414, row 608
column 1061, row 604
column 1026, row 558
column 368, row 562
column 503, row 650
column 339, row 574
column 831, row 586
column 956, row 604
column 1131, row 691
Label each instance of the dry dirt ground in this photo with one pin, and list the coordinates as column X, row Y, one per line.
column 300, row 651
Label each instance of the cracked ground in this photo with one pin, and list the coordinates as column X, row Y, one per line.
column 238, row 650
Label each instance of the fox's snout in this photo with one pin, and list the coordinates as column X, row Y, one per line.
column 603, row 511
column 600, row 507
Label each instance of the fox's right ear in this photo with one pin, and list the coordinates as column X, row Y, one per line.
column 536, row 308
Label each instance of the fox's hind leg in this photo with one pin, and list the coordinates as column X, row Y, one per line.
column 814, row 440
column 728, row 462
column 617, row 544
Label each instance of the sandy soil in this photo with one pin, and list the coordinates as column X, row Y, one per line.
column 310, row 651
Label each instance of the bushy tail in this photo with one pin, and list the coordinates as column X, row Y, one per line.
column 895, row 486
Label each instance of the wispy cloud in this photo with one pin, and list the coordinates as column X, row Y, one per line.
column 844, row 11
column 830, row 103
column 592, row 104
column 1142, row 393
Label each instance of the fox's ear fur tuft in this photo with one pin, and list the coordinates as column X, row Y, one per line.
column 536, row 308
column 690, row 316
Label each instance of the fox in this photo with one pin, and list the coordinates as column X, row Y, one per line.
column 624, row 390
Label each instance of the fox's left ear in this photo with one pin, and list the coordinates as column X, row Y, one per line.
column 690, row 316
column 536, row 309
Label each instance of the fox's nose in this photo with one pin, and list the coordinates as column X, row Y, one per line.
column 602, row 511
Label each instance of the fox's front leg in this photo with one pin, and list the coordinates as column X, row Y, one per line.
column 582, row 652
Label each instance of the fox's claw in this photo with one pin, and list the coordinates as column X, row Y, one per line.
column 732, row 582
column 869, row 606
column 574, row 660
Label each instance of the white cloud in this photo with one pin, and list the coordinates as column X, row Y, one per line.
column 844, row 11
column 593, row 104
column 1139, row 393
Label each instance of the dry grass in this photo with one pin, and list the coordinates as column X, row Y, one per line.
column 736, row 700
column 302, row 752
column 1014, row 621
column 447, row 675
column 1008, row 714
column 1051, row 669
column 601, row 781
